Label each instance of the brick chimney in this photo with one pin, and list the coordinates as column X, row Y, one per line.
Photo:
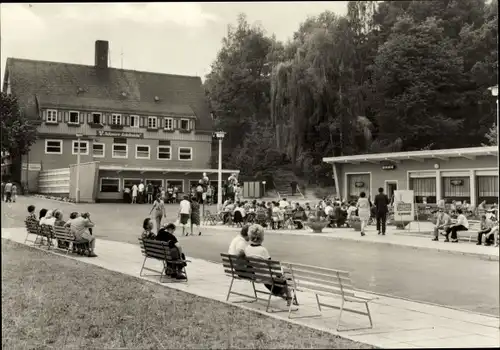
column 101, row 53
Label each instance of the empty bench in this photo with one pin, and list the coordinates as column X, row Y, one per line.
column 159, row 250
column 328, row 283
column 255, row 270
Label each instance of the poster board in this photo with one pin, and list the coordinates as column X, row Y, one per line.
column 404, row 206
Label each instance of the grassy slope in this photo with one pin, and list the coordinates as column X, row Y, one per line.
column 49, row 301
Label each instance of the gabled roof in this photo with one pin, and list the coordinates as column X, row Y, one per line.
column 45, row 83
column 442, row 154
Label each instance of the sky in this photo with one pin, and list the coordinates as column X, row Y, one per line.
column 176, row 38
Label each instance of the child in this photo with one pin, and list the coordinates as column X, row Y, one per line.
column 31, row 213
column 14, row 192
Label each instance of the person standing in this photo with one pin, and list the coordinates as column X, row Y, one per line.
column 149, row 193
column 8, row 191
column 159, row 210
column 126, row 195
column 141, row 192
column 195, row 216
column 14, row 192
column 293, row 184
column 381, row 205
column 184, row 213
column 134, row 194
column 199, row 193
column 364, row 207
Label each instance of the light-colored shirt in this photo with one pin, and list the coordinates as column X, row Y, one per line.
column 134, row 190
column 351, row 210
column 50, row 221
column 185, row 207
column 364, row 203
column 238, row 245
column 141, row 187
column 329, row 210
column 283, row 204
column 8, row 187
column 462, row 220
column 257, row 252
column 79, row 226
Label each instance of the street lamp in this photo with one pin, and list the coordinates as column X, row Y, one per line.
column 264, row 183
column 77, row 196
column 220, row 136
column 494, row 92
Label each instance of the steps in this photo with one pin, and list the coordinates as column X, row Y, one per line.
column 282, row 183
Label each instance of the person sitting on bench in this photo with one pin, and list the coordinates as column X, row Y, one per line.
column 443, row 221
column 461, row 225
column 79, row 227
column 239, row 243
column 256, row 250
column 486, row 226
column 490, row 236
column 166, row 234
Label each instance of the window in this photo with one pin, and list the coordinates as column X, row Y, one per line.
column 169, row 124
column 134, row 121
column 120, row 151
column 185, row 153
column 164, row 152
column 110, row 185
column 97, row 118
column 142, row 152
column 176, row 183
column 116, row 119
column 184, row 124
column 51, row 116
column 98, row 150
column 53, row 147
column 74, row 117
column 152, row 122
column 84, row 147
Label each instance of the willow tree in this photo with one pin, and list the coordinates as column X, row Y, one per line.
column 315, row 100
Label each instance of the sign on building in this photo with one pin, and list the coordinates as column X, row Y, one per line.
column 404, row 205
column 133, row 135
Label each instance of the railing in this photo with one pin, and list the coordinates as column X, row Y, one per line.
column 298, row 189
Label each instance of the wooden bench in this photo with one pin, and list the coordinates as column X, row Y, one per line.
column 62, row 234
column 159, row 250
column 255, row 270
column 328, row 283
column 46, row 231
column 32, row 228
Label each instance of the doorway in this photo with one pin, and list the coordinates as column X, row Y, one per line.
column 390, row 187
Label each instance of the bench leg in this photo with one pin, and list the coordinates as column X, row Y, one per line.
column 369, row 314
column 254, row 291
column 230, row 288
column 269, row 301
column 142, row 267
column 340, row 315
column 317, row 301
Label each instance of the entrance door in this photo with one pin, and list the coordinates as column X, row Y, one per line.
column 390, row 187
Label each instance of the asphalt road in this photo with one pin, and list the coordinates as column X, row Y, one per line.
column 464, row 282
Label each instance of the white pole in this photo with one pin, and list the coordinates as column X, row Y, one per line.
column 219, row 181
column 77, row 197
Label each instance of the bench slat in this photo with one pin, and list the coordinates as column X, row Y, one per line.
column 324, row 290
column 256, row 277
column 328, row 276
column 317, row 269
column 303, row 279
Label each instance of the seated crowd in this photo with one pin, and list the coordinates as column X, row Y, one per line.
column 276, row 214
column 79, row 225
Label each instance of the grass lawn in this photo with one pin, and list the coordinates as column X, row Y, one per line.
column 49, row 301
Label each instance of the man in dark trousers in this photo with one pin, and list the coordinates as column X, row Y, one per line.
column 381, row 203
column 294, row 184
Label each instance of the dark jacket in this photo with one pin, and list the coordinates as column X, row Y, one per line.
column 381, row 202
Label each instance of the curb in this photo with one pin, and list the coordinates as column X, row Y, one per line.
column 484, row 256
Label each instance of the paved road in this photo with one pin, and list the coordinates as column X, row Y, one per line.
column 464, row 282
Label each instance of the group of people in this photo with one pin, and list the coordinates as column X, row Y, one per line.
column 9, row 191
column 79, row 225
column 189, row 213
column 146, row 194
column 445, row 226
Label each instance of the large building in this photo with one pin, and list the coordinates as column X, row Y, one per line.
column 132, row 126
column 469, row 174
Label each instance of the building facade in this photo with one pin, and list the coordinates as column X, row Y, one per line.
column 136, row 126
column 466, row 174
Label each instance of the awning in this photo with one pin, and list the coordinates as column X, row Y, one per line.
column 120, row 168
column 443, row 154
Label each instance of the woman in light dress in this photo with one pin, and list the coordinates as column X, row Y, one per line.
column 364, row 207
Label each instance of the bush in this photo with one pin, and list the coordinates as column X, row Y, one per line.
column 322, row 192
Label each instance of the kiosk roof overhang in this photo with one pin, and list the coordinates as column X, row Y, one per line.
column 165, row 170
column 443, row 154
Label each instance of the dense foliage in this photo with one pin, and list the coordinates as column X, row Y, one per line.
column 18, row 134
column 388, row 76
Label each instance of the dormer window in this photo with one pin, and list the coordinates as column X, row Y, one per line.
column 97, row 118
column 116, row 119
column 185, row 124
column 152, row 122
column 51, row 116
column 74, row 117
column 169, row 124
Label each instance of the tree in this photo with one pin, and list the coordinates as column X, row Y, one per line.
column 18, row 133
column 492, row 136
column 416, row 83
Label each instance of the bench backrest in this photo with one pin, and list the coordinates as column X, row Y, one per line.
column 154, row 249
column 63, row 233
column 47, row 230
column 320, row 279
column 255, row 269
column 32, row 226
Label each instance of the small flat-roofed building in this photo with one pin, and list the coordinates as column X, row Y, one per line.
column 460, row 174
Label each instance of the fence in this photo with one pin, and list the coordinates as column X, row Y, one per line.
column 54, row 181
